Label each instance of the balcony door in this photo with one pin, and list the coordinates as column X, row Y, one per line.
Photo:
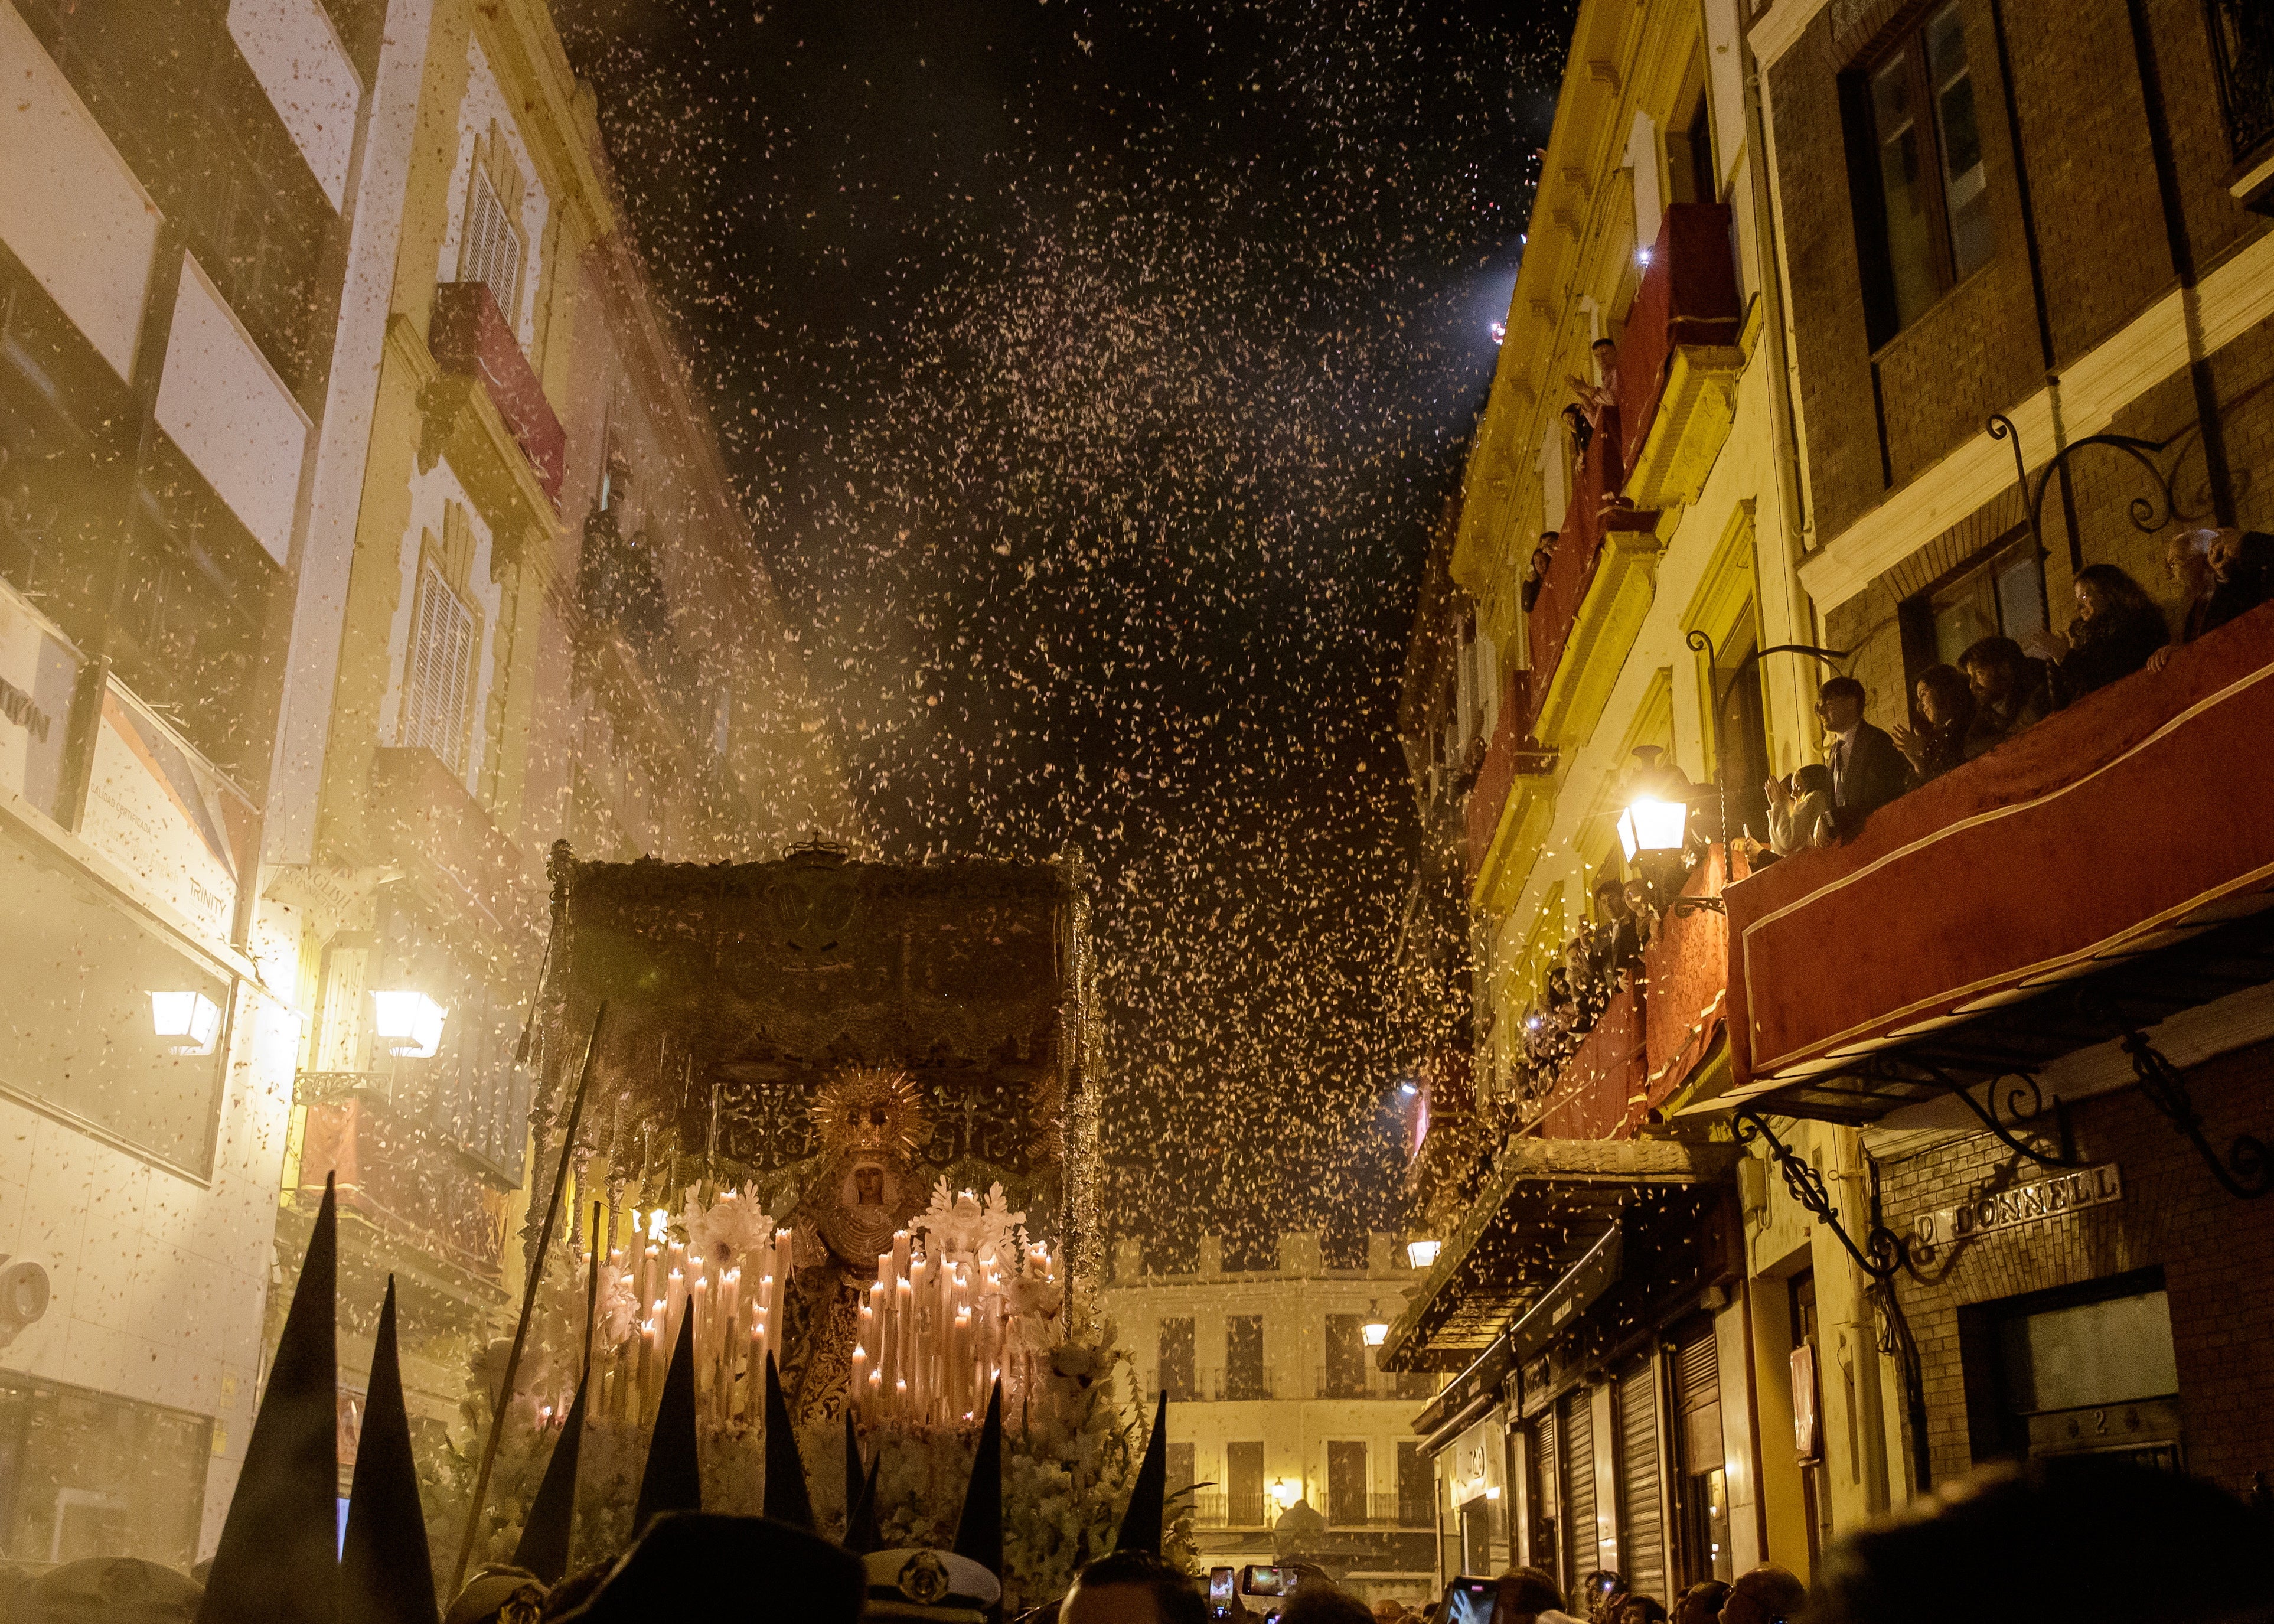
column 1346, row 1484
column 1243, row 1471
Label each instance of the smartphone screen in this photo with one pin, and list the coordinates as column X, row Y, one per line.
column 1220, row 1586
column 1261, row 1582
column 1470, row 1600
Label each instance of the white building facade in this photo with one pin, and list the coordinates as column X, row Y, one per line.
column 1298, row 1446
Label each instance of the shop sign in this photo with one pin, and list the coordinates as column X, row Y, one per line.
column 1992, row 1210
column 38, row 673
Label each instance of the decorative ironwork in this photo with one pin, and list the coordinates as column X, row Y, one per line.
column 2244, row 1172
column 2147, row 516
column 2024, row 1102
column 1883, row 1252
column 2242, row 51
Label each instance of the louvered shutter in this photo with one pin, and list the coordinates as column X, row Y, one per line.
column 1642, row 1515
column 1698, row 1389
column 1548, row 1516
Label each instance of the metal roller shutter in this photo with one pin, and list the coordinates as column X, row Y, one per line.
column 1548, row 1517
column 1576, row 1433
column 1642, row 1515
column 1698, row 1394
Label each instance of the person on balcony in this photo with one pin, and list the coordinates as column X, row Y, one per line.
column 1800, row 810
column 1867, row 770
column 1616, row 951
column 2117, row 630
column 1646, row 915
column 1536, row 576
column 1598, row 401
column 1946, row 710
column 2243, row 569
column 2009, row 692
column 1582, row 431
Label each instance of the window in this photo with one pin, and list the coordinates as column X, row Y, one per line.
column 1243, row 1471
column 2242, row 51
column 1177, row 1360
column 1346, row 1359
column 1346, row 1484
column 1931, row 226
column 1182, row 1478
column 1242, row 1358
column 490, row 253
column 1416, row 1487
column 438, row 687
column 83, row 1474
column 2004, row 595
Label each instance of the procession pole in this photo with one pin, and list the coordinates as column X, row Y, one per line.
column 528, row 1306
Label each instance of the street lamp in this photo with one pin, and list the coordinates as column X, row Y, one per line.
column 410, row 1024
column 1285, row 1492
column 191, row 1019
column 1423, row 1254
column 1375, row 1329
column 1650, row 827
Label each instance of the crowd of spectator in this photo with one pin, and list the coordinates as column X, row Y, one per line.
column 2001, row 687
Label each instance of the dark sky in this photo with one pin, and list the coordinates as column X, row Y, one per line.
column 1093, row 375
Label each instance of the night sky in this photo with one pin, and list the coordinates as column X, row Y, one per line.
column 1092, row 376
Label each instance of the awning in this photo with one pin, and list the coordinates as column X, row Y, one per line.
column 1548, row 1204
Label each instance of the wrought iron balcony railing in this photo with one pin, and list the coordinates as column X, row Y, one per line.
column 2242, row 50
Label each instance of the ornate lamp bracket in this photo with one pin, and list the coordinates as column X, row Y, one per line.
column 2244, row 1172
column 1883, row 1254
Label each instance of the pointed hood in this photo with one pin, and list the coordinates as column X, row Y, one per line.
column 787, row 1499
column 386, row 1575
column 852, row 1471
column 862, row 1533
column 278, row 1559
column 979, row 1531
column 674, row 1478
column 544, row 1547
column 1140, row 1524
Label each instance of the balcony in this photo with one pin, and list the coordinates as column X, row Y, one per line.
column 2107, row 870
column 423, row 818
column 1590, row 603
column 1212, row 1509
column 470, row 337
column 1508, row 807
column 1679, row 357
column 397, row 1177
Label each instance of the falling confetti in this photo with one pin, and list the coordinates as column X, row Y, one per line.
column 1092, row 376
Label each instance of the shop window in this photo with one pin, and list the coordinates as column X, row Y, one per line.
column 2088, row 1370
column 1244, row 1375
column 438, row 686
column 1923, row 212
column 2002, row 596
column 85, row 1474
column 78, row 967
column 1243, row 1473
column 1346, row 1505
column 1176, row 1351
column 1346, row 1360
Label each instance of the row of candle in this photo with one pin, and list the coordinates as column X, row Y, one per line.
column 737, row 1323
column 934, row 1334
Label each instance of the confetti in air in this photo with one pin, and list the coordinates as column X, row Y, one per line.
column 1092, row 376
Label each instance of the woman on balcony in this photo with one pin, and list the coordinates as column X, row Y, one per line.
column 2117, row 630
column 1945, row 711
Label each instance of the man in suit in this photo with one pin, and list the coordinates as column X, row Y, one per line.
column 1867, row 770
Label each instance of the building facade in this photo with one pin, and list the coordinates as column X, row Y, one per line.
column 185, row 200
column 362, row 538
column 1890, row 1158
column 1291, row 1443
